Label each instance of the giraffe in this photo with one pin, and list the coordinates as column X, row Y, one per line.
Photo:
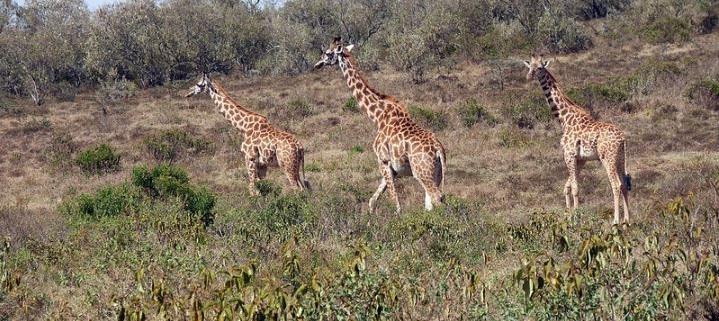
column 264, row 145
column 403, row 148
column 585, row 139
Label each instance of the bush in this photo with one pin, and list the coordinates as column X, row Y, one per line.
column 562, row 34
column 166, row 181
column 705, row 92
column 107, row 201
column 98, row 160
column 528, row 112
column 667, row 29
column 169, row 145
column 287, row 211
column 471, row 112
column 59, row 152
column 351, row 105
column 435, row 120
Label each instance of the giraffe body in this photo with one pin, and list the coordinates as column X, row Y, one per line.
column 403, row 148
column 264, row 145
column 585, row 139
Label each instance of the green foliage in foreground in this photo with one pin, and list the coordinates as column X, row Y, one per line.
column 317, row 256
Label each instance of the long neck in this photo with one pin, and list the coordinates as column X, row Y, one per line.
column 240, row 117
column 562, row 107
column 369, row 100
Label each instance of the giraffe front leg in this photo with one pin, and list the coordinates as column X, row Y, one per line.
column 252, row 174
column 377, row 193
column 386, row 183
column 571, row 188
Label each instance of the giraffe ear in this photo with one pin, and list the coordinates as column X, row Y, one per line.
column 350, row 47
column 526, row 63
column 546, row 63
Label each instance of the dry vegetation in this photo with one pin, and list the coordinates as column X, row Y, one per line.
column 481, row 256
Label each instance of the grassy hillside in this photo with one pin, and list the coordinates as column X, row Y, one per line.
column 503, row 248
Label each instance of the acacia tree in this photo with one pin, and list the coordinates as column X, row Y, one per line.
column 125, row 38
column 44, row 47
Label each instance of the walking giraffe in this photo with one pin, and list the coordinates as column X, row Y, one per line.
column 263, row 145
column 403, row 148
column 585, row 139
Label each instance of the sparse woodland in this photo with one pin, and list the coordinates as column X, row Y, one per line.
column 123, row 200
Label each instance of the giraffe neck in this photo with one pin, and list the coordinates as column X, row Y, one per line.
column 563, row 108
column 240, row 117
column 369, row 100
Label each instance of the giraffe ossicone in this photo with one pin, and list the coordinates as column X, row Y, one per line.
column 585, row 139
column 264, row 145
column 403, row 148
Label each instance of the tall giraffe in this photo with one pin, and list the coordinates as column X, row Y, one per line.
column 264, row 145
column 585, row 139
column 403, row 148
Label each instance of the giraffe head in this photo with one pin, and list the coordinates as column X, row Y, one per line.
column 333, row 53
column 534, row 64
column 202, row 85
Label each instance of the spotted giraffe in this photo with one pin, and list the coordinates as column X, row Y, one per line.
column 264, row 145
column 403, row 148
column 585, row 139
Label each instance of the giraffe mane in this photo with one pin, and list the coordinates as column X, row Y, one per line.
column 564, row 94
column 217, row 85
column 360, row 75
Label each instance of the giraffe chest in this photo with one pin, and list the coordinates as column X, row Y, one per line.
column 584, row 148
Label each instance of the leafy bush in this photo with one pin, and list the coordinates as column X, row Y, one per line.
column 471, row 112
column 98, row 160
column 562, row 34
column 705, row 92
column 166, row 181
column 434, row 120
column 169, row 145
column 527, row 112
column 666, row 29
column 107, row 201
column 351, row 105
column 286, row 211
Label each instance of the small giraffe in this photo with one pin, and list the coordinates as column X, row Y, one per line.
column 403, row 148
column 585, row 139
column 264, row 145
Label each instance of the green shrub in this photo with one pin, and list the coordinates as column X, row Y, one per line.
column 287, row 211
column 705, row 92
column 299, row 108
column 434, row 120
column 590, row 94
column 266, row 187
column 667, row 29
column 107, row 201
column 98, row 160
column 471, row 112
column 528, row 112
column 351, row 105
column 166, row 181
column 169, row 145
column 160, row 181
column 562, row 34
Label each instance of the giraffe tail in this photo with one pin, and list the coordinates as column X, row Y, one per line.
column 304, row 183
column 441, row 157
column 627, row 178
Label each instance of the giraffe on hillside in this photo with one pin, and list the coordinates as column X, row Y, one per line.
column 403, row 148
column 585, row 139
column 263, row 145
